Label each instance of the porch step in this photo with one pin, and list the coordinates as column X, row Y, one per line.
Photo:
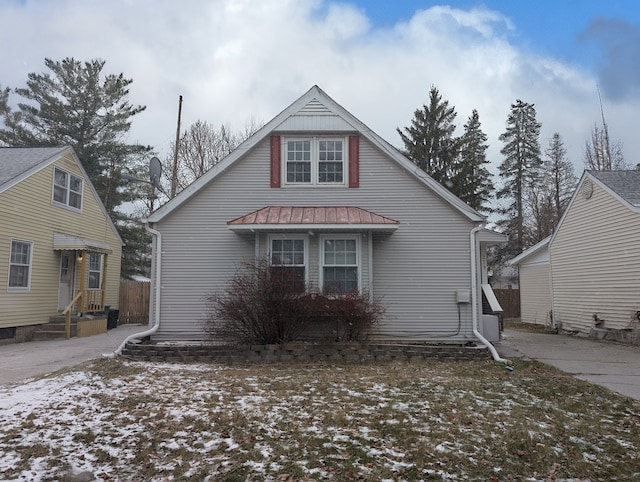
column 55, row 329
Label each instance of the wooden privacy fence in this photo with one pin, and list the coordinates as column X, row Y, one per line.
column 134, row 302
column 510, row 302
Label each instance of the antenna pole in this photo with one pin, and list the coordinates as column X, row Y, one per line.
column 607, row 149
column 174, row 174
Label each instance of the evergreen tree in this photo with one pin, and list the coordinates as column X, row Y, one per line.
column 76, row 105
column 518, row 170
column 561, row 176
column 4, row 101
column 548, row 196
column 472, row 181
column 429, row 142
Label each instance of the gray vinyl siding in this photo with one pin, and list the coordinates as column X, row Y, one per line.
column 416, row 270
column 535, row 293
column 595, row 263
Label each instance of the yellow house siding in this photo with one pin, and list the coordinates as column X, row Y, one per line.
column 595, row 263
column 29, row 214
column 535, row 294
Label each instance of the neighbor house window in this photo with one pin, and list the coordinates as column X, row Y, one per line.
column 340, row 264
column 288, row 260
column 95, row 271
column 20, row 265
column 67, row 189
column 314, row 161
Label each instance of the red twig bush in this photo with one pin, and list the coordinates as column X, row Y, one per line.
column 266, row 305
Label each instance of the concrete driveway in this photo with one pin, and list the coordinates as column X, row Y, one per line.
column 21, row 361
column 614, row 366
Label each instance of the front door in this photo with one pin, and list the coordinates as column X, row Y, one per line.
column 67, row 271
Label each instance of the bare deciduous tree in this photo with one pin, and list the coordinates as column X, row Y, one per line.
column 202, row 146
column 601, row 154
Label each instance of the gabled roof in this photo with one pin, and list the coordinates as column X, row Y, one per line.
column 312, row 217
column 528, row 253
column 313, row 103
column 626, row 184
column 19, row 163
column 622, row 185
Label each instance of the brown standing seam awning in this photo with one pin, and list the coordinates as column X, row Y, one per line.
column 333, row 218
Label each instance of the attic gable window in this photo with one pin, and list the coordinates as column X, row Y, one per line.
column 67, row 189
column 314, row 161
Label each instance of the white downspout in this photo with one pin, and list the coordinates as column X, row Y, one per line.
column 474, row 298
column 156, row 311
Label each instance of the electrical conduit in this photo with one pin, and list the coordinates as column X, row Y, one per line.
column 474, row 298
column 156, row 311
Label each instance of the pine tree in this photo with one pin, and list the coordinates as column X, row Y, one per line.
column 519, row 169
column 76, row 105
column 472, row 180
column 548, row 196
column 429, row 142
column 560, row 170
column 4, row 100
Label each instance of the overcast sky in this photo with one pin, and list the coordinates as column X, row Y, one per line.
column 234, row 60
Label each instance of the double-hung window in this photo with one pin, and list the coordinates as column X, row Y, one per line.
column 67, row 189
column 20, row 265
column 340, row 264
column 95, row 271
column 289, row 261
column 315, row 161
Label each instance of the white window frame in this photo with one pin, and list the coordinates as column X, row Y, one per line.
column 99, row 271
column 304, row 238
column 315, row 160
column 321, row 256
column 68, row 191
column 28, row 265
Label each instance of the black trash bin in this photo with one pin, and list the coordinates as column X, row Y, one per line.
column 112, row 319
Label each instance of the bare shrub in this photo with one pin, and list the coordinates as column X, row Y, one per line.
column 262, row 305
column 349, row 316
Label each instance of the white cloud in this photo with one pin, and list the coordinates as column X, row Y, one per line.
column 235, row 60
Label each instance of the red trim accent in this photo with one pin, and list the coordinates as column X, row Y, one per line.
column 354, row 161
column 275, row 161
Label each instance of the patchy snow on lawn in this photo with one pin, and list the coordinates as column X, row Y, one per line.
column 119, row 420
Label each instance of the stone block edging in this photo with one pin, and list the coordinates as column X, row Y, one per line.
column 300, row 353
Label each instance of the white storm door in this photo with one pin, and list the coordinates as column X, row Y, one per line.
column 67, row 271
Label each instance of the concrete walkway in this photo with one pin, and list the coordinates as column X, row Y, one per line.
column 614, row 366
column 21, row 361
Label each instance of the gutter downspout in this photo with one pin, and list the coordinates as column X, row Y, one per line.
column 474, row 298
column 156, row 311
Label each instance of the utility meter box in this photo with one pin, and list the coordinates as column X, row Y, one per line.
column 463, row 296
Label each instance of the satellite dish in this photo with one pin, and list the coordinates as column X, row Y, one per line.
column 155, row 171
